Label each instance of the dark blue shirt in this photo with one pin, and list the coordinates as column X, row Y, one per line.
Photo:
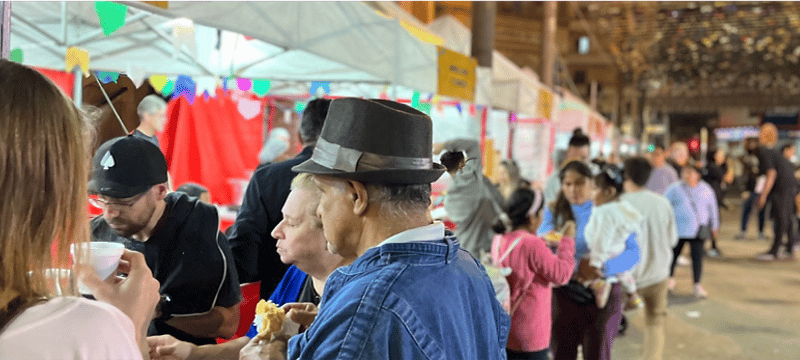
column 252, row 245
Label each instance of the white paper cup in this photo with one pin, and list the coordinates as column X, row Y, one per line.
column 102, row 256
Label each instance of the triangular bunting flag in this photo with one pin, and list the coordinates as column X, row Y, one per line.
column 77, row 57
column 111, row 15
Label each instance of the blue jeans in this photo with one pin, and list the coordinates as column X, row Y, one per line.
column 747, row 207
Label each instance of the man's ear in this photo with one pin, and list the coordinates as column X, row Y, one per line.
column 162, row 191
column 360, row 198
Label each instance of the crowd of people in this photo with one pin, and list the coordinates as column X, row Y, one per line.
column 341, row 237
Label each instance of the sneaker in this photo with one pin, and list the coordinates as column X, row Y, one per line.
column 713, row 253
column 683, row 261
column 788, row 256
column 739, row 236
column 601, row 290
column 634, row 302
column 699, row 292
column 766, row 257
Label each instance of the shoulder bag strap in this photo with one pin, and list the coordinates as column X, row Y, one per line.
column 524, row 291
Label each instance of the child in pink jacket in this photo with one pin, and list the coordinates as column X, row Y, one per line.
column 534, row 267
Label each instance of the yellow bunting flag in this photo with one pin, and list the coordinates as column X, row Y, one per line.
column 77, row 57
column 160, row 4
column 158, row 82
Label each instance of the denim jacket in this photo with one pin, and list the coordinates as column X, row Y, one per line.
column 418, row 300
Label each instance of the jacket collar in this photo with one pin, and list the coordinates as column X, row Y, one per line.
column 438, row 252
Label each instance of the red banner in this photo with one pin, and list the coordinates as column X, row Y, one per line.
column 64, row 80
column 211, row 143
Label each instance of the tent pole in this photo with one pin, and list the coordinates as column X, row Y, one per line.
column 64, row 23
column 77, row 87
column 5, row 29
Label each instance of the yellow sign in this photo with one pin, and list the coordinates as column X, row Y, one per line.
column 160, row 4
column 456, row 75
column 545, row 107
column 77, row 57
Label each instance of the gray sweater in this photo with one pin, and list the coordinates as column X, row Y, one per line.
column 470, row 200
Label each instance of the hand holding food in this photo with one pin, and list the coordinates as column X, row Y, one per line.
column 269, row 319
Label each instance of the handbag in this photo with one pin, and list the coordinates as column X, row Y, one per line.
column 579, row 294
column 704, row 231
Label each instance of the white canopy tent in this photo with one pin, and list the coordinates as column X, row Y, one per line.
column 292, row 41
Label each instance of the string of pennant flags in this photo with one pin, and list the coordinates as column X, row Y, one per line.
column 112, row 17
column 205, row 86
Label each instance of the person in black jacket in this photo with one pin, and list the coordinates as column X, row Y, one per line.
column 751, row 192
column 252, row 245
column 178, row 235
column 780, row 189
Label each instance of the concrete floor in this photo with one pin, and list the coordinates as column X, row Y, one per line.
column 752, row 312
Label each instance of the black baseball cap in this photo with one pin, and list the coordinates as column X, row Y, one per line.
column 127, row 166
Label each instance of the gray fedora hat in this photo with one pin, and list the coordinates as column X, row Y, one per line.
column 374, row 141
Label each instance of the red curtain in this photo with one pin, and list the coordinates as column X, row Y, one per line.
column 211, row 143
column 64, row 80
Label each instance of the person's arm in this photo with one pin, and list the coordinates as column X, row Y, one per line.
column 713, row 208
column 624, row 261
column 219, row 322
column 555, row 268
column 166, row 347
column 469, row 146
column 772, row 174
column 546, row 226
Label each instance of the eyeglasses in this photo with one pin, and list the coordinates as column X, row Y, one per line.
column 121, row 205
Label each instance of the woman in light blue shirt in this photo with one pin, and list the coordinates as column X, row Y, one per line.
column 576, row 323
column 694, row 204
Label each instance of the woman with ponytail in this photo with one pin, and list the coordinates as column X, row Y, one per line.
column 533, row 268
column 576, row 319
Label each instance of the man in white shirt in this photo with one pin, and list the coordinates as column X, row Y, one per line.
column 657, row 238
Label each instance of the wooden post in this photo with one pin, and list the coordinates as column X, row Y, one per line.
column 483, row 15
column 549, row 42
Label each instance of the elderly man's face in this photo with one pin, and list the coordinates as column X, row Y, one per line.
column 301, row 240
column 335, row 209
column 157, row 119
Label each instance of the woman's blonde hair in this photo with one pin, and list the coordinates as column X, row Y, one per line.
column 44, row 152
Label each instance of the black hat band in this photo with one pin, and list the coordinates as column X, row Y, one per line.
column 337, row 157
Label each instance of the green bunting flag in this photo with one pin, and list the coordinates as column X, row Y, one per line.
column 111, row 15
column 17, row 56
